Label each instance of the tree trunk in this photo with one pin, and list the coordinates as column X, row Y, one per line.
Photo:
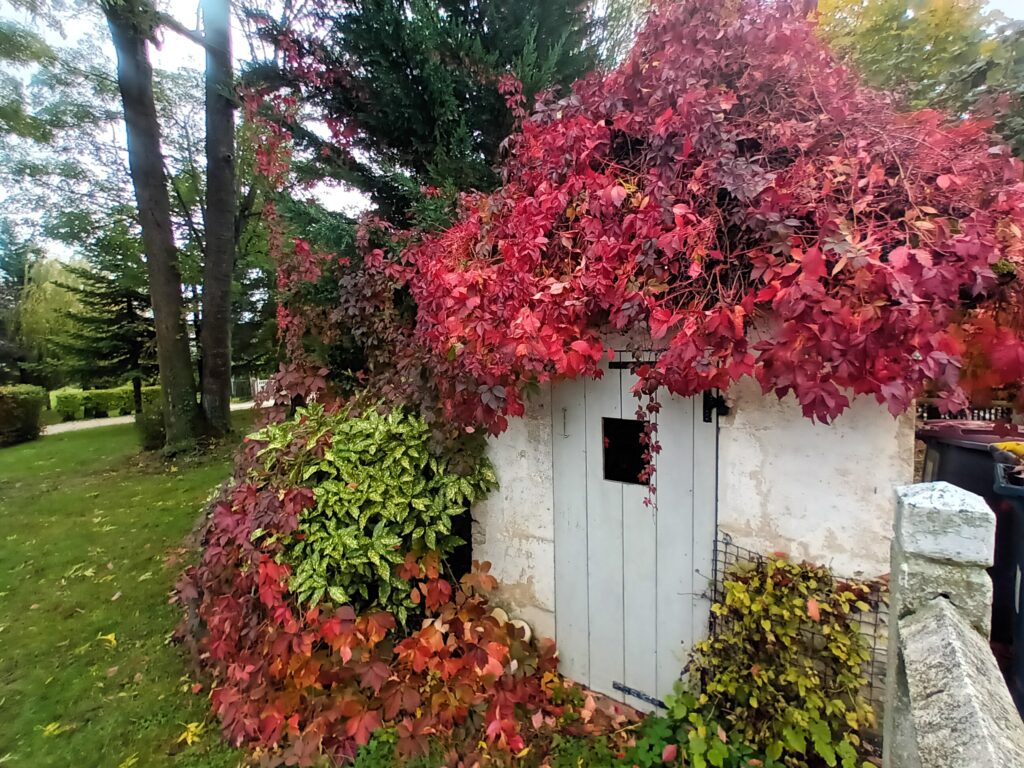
column 137, row 393
column 197, row 326
column 145, row 162
column 220, row 218
column 135, row 359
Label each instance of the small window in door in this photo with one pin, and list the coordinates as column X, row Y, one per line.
column 623, row 450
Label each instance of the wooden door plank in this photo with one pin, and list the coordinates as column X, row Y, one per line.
column 604, row 540
column 675, row 483
column 639, row 577
column 569, row 457
column 705, row 517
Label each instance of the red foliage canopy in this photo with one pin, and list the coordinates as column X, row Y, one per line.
column 734, row 196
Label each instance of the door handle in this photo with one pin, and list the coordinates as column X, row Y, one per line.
column 565, row 416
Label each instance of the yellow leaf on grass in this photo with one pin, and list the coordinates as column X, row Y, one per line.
column 54, row 729
column 193, row 732
column 110, row 639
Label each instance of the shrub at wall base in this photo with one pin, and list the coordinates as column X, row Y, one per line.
column 784, row 667
column 333, row 518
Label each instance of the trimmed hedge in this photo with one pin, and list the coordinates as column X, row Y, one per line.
column 20, row 408
column 108, row 402
column 68, row 404
column 151, row 397
column 73, row 404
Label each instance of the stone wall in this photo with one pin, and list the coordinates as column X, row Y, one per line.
column 947, row 705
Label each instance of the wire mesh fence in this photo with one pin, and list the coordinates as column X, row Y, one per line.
column 873, row 624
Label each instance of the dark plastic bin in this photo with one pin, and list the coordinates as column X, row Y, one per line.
column 1011, row 497
column 958, row 452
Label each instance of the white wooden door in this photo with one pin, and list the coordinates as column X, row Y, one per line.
column 630, row 579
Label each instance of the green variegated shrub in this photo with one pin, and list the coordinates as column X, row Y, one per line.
column 380, row 491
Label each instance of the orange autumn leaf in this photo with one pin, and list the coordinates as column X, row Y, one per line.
column 813, row 610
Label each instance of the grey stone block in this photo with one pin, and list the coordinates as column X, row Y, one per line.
column 942, row 522
column 899, row 747
column 962, row 712
column 916, row 581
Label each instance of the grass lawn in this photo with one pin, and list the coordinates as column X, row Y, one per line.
column 90, row 545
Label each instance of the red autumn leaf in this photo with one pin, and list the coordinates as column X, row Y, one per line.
column 362, row 725
column 378, row 625
column 373, row 675
column 670, row 753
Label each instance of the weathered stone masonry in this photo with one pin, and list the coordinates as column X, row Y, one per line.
column 947, row 705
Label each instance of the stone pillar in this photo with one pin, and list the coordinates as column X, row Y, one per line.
column 946, row 703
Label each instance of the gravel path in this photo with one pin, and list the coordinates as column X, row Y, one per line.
column 74, row 426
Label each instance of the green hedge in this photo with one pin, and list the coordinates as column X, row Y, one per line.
column 108, row 402
column 73, row 404
column 68, row 404
column 20, row 408
column 151, row 397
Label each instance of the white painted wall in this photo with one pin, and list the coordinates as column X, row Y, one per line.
column 817, row 492
column 514, row 527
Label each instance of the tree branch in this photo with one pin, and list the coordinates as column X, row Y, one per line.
column 166, row 20
column 187, row 213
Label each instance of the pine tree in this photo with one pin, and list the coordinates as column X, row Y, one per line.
column 415, row 84
column 112, row 339
column 16, row 258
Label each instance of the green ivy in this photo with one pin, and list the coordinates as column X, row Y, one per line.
column 380, row 491
column 785, row 667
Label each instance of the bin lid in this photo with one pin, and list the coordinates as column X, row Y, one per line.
column 968, row 434
column 1004, row 486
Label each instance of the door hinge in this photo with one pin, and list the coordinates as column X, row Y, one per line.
column 714, row 403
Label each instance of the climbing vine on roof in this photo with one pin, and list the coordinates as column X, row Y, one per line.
column 729, row 196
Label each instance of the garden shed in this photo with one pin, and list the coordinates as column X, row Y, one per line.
column 624, row 587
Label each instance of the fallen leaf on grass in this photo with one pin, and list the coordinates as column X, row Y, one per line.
column 110, row 639
column 54, row 729
column 193, row 732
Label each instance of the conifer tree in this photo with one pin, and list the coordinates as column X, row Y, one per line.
column 112, row 339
